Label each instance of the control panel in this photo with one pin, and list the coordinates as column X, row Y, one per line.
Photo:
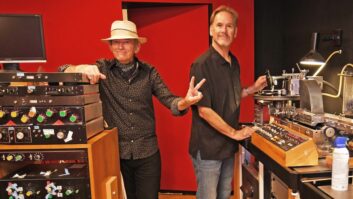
column 280, row 136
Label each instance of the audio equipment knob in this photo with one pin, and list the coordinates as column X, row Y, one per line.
column 38, row 156
column 49, row 113
column 29, row 193
column 30, row 89
column 24, row 119
column 49, row 196
column 69, row 192
column 73, row 118
column 20, row 135
column 2, row 113
column 9, row 157
column 14, row 114
column 32, row 112
column 40, row 118
column 60, row 135
column 18, row 157
column 63, row 113
column 329, row 132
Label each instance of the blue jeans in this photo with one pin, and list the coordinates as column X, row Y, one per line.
column 214, row 177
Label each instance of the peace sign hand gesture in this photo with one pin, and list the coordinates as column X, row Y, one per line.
column 194, row 95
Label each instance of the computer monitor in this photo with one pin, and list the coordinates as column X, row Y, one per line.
column 21, row 40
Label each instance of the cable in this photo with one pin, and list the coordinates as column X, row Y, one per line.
column 340, row 83
column 323, row 65
column 330, row 85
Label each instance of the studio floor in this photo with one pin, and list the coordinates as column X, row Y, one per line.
column 175, row 196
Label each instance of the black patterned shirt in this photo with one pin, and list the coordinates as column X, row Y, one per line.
column 127, row 105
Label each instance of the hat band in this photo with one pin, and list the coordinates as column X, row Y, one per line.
column 124, row 34
column 124, row 29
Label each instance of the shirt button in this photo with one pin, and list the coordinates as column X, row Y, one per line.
column 132, row 141
column 130, row 100
column 132, row 127
column 130, row 113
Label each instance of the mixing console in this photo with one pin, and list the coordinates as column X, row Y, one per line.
column 280, row 136
column 286, row 146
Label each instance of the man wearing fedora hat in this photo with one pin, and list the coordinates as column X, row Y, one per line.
column 126, row 89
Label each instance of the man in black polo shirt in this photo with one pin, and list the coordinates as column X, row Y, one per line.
column 215, row 128
column 126, row 87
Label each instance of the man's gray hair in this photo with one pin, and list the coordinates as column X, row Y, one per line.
column 224, row 8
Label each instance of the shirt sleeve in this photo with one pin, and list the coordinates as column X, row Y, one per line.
column 164, row 95
column 99, row 63
column 62, row 68
column 197, row 70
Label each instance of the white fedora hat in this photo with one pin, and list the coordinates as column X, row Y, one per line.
column 124, row 30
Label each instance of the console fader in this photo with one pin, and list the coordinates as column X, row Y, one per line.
column 280, row 136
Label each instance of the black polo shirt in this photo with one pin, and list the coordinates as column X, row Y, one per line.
column 222, row 93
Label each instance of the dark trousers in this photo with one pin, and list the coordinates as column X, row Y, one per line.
column 142, row 177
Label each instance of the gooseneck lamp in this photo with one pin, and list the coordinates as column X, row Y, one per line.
column 313, row 58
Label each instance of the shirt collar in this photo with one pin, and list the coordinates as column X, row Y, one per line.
column 220, row 59
column 114, row 63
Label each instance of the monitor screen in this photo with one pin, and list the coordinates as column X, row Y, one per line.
column 21, row 39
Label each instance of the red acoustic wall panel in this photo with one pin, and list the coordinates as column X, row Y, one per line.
column 176, row 36
column 243, row 46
